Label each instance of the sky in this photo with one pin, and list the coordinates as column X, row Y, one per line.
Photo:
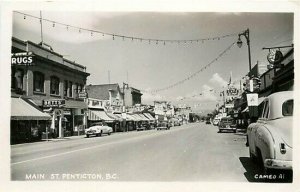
column 154, row 66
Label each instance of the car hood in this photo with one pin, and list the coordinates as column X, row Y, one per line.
column 284, row 129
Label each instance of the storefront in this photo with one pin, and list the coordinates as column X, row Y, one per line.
column 68, row 117
column 98, row 115
column 28, row 123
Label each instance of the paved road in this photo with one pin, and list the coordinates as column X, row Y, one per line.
column 192, row 152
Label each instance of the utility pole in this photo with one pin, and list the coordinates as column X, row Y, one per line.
column 41, row 21
column 108, row 76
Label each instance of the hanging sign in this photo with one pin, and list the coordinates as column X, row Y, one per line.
column 275, row 56
column 54, row 103
column 252, row 99
column 82, row 95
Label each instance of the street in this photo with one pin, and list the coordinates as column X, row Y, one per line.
column 192, row 152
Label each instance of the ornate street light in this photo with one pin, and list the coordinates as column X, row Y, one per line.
column 240, row 43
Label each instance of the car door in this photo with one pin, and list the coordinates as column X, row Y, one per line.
column 252, row 128
column 261, row 131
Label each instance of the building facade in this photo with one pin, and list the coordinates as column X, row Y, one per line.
column 132, row 96
column 54, row 84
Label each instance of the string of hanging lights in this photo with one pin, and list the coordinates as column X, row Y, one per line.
column 125, row 37
column 192, row 75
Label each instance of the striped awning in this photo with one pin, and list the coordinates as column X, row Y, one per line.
column 22, row 110
column 143, row 117
column 149, row 116
column 114, row 116
column 95, row 115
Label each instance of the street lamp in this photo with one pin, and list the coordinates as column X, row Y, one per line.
column 240, row 43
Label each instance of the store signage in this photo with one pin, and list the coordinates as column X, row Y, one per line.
column 252, row 99
column 22, row 59
column 82, row 95
column 232, row 91
column 275, row 56
column 54, row 103
column 229, row 105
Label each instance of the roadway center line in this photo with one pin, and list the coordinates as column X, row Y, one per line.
column 96, row 146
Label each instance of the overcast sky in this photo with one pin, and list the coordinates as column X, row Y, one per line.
column 154, row 66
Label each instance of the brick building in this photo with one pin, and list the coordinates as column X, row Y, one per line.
column 50, row 82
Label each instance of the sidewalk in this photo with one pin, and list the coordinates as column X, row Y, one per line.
column 65, row 138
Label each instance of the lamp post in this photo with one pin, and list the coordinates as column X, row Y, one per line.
column 240, row 43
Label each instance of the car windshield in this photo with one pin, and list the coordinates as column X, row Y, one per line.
column 287, row 108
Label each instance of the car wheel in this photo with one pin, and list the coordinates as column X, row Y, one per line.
column 100, row 134
column 234, row 130
column 109, row 133
column 252, row 156
column 87, row 136
column 220, row 130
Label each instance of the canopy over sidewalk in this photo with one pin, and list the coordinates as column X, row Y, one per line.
column 23, row 110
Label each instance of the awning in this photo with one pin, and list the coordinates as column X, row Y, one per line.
column 95, row 115
column 143, row 117
column 130, row 117
column 137, row 117
column 149, row 116
column 114, row 116
column 22, row 110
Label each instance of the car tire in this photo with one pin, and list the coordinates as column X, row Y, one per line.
column 109, row 133
column 252, row 156
column 220, row 130
column 234, row 130
column 87, row 136
column 100, row 134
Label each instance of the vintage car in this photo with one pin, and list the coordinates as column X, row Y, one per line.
column 216, row 121
column 98, row 129
column 270, row 138
column 163, row 125
column 227, row 123
column 207, row 121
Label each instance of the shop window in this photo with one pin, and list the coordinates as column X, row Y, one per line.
column 65, row 88
column 17, row 79
column 38, row 82
column 77, row 88
column 54, row 85
column 70, row 89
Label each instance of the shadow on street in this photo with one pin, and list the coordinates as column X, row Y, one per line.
column 255, row 174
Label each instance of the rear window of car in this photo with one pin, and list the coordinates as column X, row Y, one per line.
column 288, row 108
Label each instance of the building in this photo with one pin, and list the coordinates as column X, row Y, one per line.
column 103, row 102
column 132, row 96
column 110, row 96
column 52, row 83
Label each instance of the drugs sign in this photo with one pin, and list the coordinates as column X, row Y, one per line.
column 22, row 58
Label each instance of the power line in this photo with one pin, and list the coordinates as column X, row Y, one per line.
column 123, row 37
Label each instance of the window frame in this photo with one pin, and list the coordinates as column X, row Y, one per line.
column 292, row 100
column 52, row 81
column 42, row 76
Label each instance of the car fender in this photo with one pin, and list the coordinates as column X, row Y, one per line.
column 265, row 142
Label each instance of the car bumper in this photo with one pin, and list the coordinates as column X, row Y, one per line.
column 227, row 128
column 278, row 164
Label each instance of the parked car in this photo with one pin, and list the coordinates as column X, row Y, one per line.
column 207, row 121
column 227, row 123
column 163, row 125
column 270, row 138
column 216, row 121
column 98, row 129
column 175, row 122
